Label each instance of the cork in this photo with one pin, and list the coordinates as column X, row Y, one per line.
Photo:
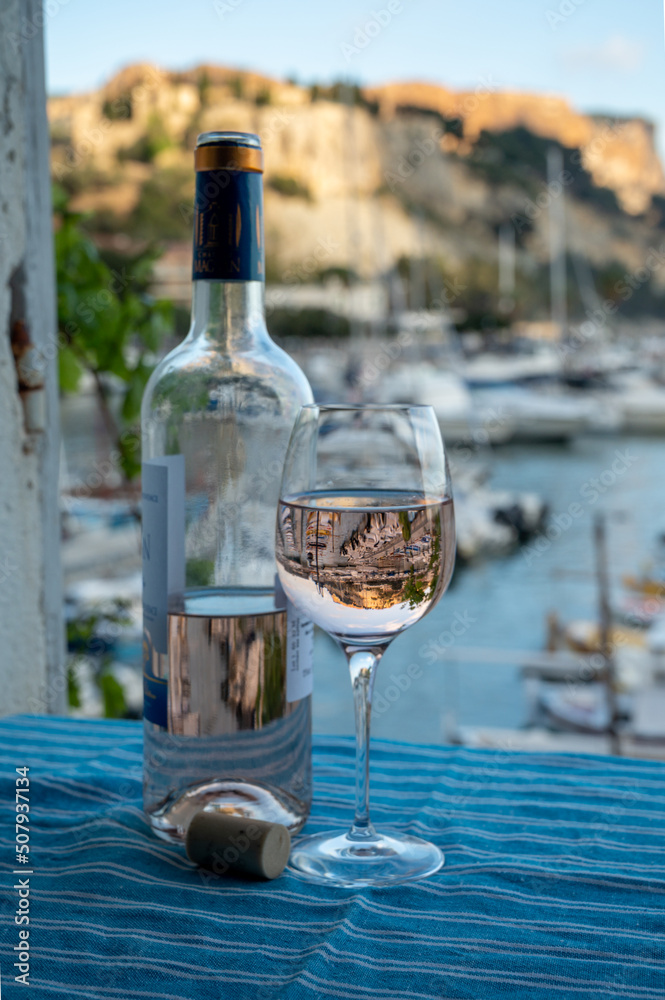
column 228, row 844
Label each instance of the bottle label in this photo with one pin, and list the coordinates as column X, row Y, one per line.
column 163, row 543
column 228, row 226
column 163, row 551
column 300, row 655
column 299, row 648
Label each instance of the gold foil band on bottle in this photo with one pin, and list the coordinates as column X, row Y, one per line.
column 221, row 157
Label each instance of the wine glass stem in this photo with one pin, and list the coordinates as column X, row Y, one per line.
column 362, row 667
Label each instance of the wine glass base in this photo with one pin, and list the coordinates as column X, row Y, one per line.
column 335, row 858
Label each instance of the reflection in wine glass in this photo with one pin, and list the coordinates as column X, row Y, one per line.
column 365, row 548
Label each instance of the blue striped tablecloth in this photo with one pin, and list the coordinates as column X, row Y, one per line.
column 554, row 882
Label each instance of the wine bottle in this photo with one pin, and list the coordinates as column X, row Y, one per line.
column 226, row 661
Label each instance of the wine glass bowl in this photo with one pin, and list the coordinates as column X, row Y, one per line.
column 365, row 546
column 365, row 565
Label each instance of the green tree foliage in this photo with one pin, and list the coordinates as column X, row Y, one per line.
column 271, row 686
column 84, row 643
column 108, row 325
column 289, row 186
column 237, row 87
column 164, row 208
column 518, row 157
column 147, row 146
column 203, row 87
column 472, row 289
column 414, row 590
column 263, row 97
column 308, row 322
column 120, row 109
column 344, row 92
column 115, row 706
column 455, row 126
column 346, row 275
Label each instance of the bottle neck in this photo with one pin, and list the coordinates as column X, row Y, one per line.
column 229, row 314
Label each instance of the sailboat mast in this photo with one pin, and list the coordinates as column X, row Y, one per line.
column 558, row 303
column 506, row 267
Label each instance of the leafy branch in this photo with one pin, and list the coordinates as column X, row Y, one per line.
column 109, row 326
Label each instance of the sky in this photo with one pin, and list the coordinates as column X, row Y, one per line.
column 604, row 55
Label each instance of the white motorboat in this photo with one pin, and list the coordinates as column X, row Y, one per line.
column 492, row 522
column 540, row 415
column 581, row 709
column 639, row 402
column 492, row 370
column 444, row 391
column 462, row 421
column 478, row 532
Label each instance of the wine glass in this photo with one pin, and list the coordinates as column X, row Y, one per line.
column 365, row 546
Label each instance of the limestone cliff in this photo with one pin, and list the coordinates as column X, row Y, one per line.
column 403, row 169
column 619, row 154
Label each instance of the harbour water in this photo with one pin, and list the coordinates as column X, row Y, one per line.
column 502, row 604
column 428, row 678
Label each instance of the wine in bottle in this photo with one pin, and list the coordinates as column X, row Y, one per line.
column 227, row 661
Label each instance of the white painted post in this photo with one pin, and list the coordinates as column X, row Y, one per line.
column 31, row 626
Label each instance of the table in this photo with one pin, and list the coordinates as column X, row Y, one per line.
column 554, row 884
